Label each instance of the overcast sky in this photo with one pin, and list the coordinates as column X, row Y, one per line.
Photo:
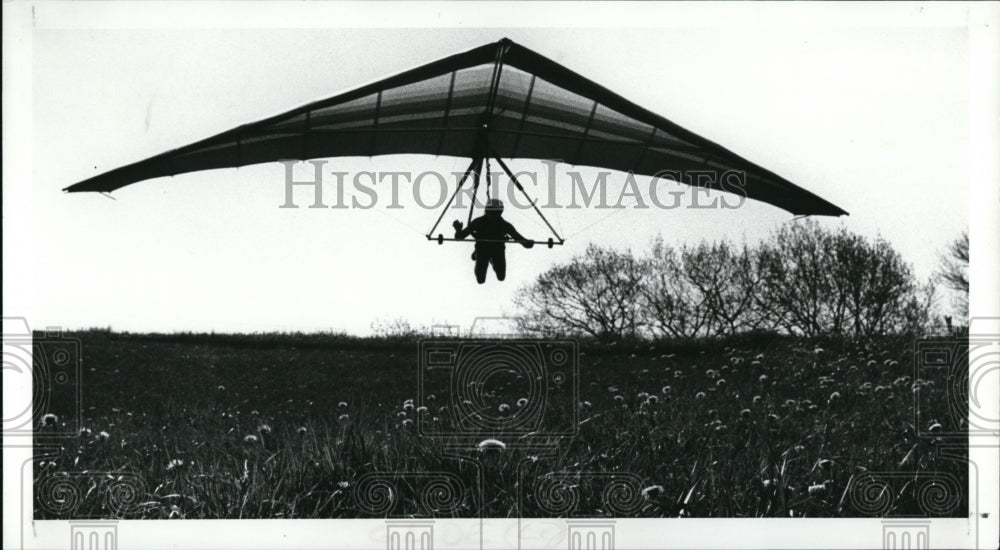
column 872, row 117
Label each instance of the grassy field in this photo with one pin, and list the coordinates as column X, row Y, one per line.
column 300, row 426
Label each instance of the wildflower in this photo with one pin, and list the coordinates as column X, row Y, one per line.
column 652, row 399
column 524, row 401
column 763, row 378
column 699, row 395
column 818, row 351
column 221, row 388
column 421, row 409
column 834, row 396
column 264, row 428
column 720, row 382
column 103, row 435
column 343, row 418
column 401, row 414
column 85, row 431
column 302, row 430
column 756, row 399
column 772, row 417
column 250, row 438
column 665, row 389
column 503, row 407
column 175, row 463
column 342, row 405
column 678, row 374
column 879, row 389
column 491, row 443
column 408, row 406
column 790, row 403
column 619, row 398
column 745, row 413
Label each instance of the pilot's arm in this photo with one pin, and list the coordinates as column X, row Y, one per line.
column 462, row 233
column 526, row 243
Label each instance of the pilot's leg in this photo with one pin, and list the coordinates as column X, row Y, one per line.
column 482, row 264
column 500, row 264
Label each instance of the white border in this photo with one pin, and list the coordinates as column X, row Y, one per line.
column 981, row 20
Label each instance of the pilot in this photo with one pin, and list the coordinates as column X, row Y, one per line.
column 491, row 231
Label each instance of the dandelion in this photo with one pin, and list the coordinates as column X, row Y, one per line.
column 175, row 463
column 491, row 443
column 302, row 430
column 343, row 418
column 250, row 438
column 264, row 428
column 699, row 395
column 524, row 401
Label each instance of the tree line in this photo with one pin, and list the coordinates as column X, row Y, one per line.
column 804, row 279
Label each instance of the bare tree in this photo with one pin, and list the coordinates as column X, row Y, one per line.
column 953, row 270
column 727, row 279
column 795, row 278
column 670, row 304
column 595, row 294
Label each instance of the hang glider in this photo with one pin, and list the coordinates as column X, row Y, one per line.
column 499, row 100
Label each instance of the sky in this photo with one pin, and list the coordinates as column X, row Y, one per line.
column 872, row 117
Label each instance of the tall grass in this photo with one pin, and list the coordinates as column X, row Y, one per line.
column 286, row 425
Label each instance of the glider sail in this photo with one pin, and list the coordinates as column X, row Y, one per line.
column 501, row 100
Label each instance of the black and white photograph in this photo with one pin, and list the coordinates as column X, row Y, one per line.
column 500, row 275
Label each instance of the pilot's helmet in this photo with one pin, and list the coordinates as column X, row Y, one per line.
column 494, row 205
